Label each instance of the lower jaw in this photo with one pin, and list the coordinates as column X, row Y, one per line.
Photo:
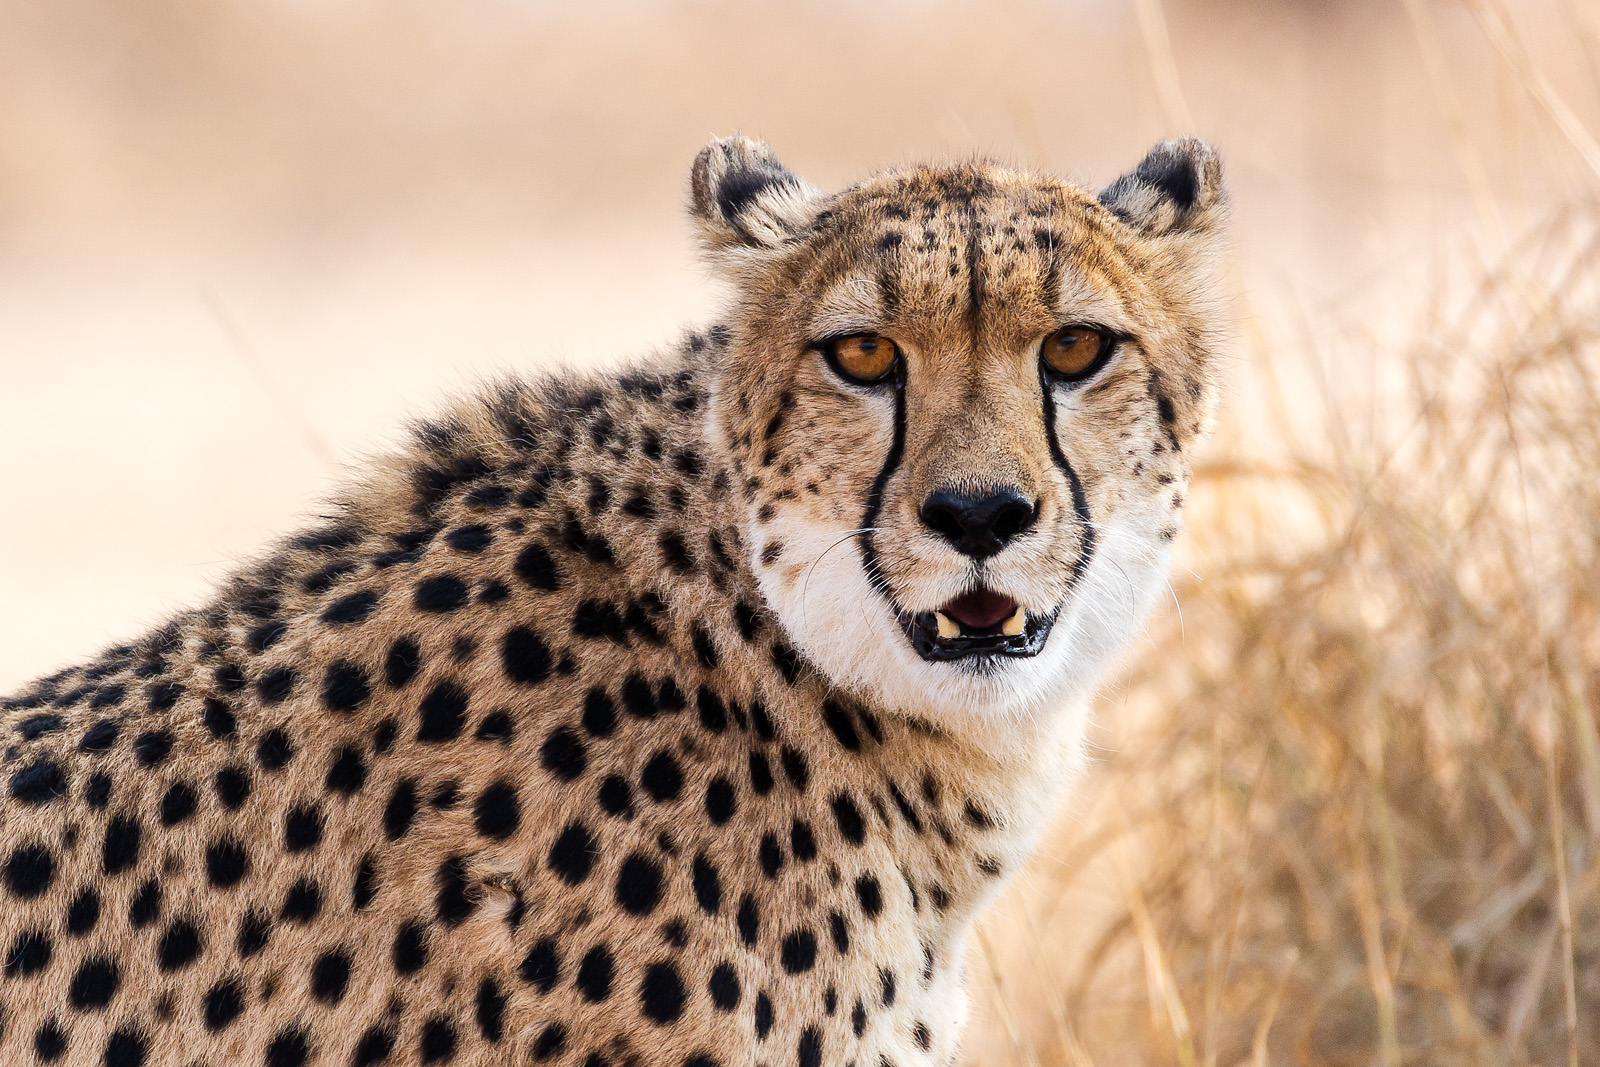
column 922, row 631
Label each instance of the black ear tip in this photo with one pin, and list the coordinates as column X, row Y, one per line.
column 1184, row 172
column 1184, row 169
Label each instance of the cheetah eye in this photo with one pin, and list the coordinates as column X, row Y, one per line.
column 862, row 359
column 1075, row 353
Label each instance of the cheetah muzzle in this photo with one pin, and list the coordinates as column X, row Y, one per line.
column 683, row 715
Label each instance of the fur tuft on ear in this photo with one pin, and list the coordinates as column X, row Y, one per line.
column 1176, row 188
column 742, row 196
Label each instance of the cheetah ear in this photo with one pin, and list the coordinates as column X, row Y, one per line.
column 1176, row 188
column 742, row 197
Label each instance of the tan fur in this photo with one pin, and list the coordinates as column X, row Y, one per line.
column 675, row 543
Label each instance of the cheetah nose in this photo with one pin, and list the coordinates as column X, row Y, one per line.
column 978, row 524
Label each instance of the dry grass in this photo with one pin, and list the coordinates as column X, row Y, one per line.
column 1351, row 810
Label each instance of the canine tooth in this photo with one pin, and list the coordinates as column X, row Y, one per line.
column 1012, row 627
column 947, row 625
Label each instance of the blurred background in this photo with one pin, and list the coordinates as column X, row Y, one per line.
column 1349, row 786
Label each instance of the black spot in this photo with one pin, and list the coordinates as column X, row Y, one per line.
column 233, row 787
column 366, row 884
column 594, row 618
column 330, row 973
column 401, row 809
column 39, row 782
column 764, row 727
column 383, row 736
column 107, row 695
column 276, row 685
column 94, row 984
column 438, row 1040
column 457, row 896
column 441, row 593
column 350, row 609
column 840, row 932
column 525, row 656
column 496, row 812
column 674, row 553
column 302, row 828
column 639, row 698
column 223, row 1003
column 563, row 754
column 573, row 853
column 851, row 825
column 491, row 1013
column 255, row 929
column 594, row 974
column 374, row 1047
column 886, row 986
column 638, row 887
column 764, row 1016
column 29, row 954
column 496, row 726
column 473, row 538
column 146, row 906
column 302, row 903
column 120, row 848
column 616, row 796
column 796, row 767
column 707, row 885
column 870, row 895
column 266, row 635
column 179, row 946
column 760, row 774
column 83, row 913
column 402, row 662
column 839, row 721
column 274, row 750
column 163, row 695
column 443, row 713
column 410, row 950
column 858, row 1019
column 724, row 987
column 50, row 1042
column 811, row 1047
column 226, row 863
column 289, row 1048
column 344, row 686
column 541, row 967
column 802, row 842
column 219, row 720
column 550, row 1042
column 347, row 773
column 446, row 796
column 177, row 803
column 661, row 777
column 599, row 713
column 713, row 712
column 799, row 952
column 770, row 854
column 749, row 920
column 535, row 567
column 126, row 1047
column 661, row 992
column 100, row 737
column 721, row 800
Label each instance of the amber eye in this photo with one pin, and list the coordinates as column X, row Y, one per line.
column 1075, row 352
column 864, row 358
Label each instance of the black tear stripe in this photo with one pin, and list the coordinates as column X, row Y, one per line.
column 1080, row 503
column 869, row 517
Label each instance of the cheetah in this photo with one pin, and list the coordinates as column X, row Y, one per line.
column 682, row 715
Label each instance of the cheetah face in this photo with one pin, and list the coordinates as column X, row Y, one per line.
column 959, row 401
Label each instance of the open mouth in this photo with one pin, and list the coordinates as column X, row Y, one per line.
column 977, row 623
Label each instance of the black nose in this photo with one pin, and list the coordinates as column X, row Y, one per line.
column 978, row 524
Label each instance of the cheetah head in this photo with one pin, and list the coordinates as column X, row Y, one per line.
column 959, row 402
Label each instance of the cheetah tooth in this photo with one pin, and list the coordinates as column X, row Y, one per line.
column 1012, row 627
column 947, row 625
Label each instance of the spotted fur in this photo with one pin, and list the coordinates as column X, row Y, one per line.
column 582, row 731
